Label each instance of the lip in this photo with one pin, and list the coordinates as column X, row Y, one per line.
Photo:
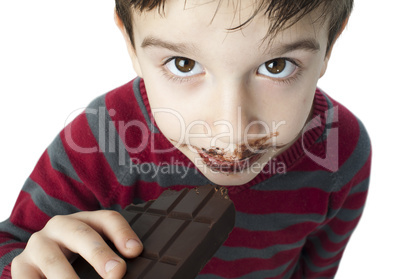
column 220, row 164
column 240, row 159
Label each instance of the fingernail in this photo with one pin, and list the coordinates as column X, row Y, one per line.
column 110, row 265
column 132, row 243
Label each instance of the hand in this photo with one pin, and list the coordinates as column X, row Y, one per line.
column 48, row 251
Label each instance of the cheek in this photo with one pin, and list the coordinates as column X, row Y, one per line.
column 171, row 114
column 300, row 107
column 170, row 123
column 293, row 119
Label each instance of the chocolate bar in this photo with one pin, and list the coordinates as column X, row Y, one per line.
column 180, row 231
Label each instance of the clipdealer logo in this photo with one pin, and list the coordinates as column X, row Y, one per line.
column 331, row 138
column 108, row 142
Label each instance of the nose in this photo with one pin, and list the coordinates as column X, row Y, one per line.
column 233, row 113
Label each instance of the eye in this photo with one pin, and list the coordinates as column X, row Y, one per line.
column 277, row 68
column 183, row 67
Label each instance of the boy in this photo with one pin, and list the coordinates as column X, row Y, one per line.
column 226, row 94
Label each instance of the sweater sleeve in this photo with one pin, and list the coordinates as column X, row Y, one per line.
column 72, row 175
column 325, row 246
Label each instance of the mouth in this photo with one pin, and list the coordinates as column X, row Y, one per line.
column 221, row 163
column 240, row 159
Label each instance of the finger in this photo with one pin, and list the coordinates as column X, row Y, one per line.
column 80, row 238
column 113, row 225
column 50, row 259
column 25, row 272
column 22, row 270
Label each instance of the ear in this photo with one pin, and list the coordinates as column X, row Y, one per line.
column 328, row 55
column 129, row 45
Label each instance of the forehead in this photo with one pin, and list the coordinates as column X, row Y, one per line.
column 226, row 21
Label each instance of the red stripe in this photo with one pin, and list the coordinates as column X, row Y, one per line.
column 302, row 201
column 6, row 272
column 322, row 262
column 263, row 239
column 4, row 237
column 27, row 215
column 128, row 120
column 10, row 247
column 341, row 227
column 348, row 132
column 92, row 167
column 355, row 201
column 292, row 265
column 67, row 190
column 327, row 244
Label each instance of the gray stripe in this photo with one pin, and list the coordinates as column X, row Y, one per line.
column 59, row 159
column 18, row 233
column 317, row 269
column 109, row 141
column 274, row 221
column 253, row 275
column 322, row 252
column 167, row 174
column 140, row 101
column 291, row 271
column 287, row 182
column 127, row 170
column 47, row 204
column 237, row 253
column 336, row 238
column 361, row 187
column 7, row 242
column 329, row 119
column 356, row 161
column 348, row 215
column 7, row 258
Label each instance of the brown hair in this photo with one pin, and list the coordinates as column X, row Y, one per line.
column 283, row 13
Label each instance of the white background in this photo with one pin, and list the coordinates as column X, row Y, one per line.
column 56, row 56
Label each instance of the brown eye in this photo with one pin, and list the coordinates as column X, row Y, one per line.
column 280, row 68
column 184, row 65
column 276, row 66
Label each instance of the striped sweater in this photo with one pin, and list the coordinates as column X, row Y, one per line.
column 293, row 220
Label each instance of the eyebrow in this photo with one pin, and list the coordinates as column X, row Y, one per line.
column 176, row 47
column 309, row 44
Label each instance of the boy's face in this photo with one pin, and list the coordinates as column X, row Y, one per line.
column 227, row 100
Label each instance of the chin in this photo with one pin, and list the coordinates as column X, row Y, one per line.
column 232, row 179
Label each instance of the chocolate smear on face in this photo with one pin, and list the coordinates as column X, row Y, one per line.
column 244, row 150
column 242, row 157
column 218, row 159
